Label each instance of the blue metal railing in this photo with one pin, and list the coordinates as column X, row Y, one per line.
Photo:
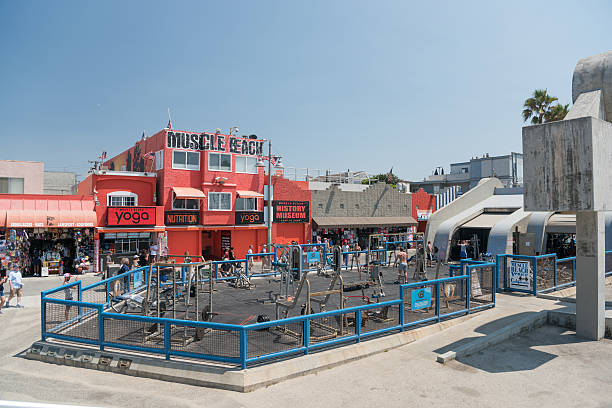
column 101, row 338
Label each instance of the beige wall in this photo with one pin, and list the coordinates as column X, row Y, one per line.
column 30, row 172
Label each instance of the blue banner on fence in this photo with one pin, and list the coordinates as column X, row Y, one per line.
column 138, row 279
column 520, row 275
column 421, row 298
column 312, row 257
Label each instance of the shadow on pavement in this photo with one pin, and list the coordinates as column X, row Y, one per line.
column 520, row 353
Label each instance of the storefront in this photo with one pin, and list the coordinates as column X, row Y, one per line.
column 356, row 230
column 47, row 234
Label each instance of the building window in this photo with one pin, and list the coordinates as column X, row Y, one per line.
column 126, row 242
column 320, row 205
column 246, row 204
column 159, row 160
column 185, row 204
column 357, row 206
column 219, row 201
column 11, row 185
column 341, row 205
column 122, row 199
column 246, row 164
column 185, row 160
column 219, row 161
column 436, row 189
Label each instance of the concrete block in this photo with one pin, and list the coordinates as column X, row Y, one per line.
column 446, row 357
column 560, row 162
column 594, row 73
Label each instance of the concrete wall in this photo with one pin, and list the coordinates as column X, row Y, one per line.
column 378, row 200
column 484, row 189
column 30, row 172
column 562, row 163
column 59, row 182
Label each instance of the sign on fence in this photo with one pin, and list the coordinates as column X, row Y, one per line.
column 476, row 288
column 312, row 257
column 421, row 298
column 520, row 275
column 138, row 279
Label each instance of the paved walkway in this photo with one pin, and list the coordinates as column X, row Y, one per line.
column 547, row 368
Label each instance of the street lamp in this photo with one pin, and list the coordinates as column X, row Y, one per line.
column 278, row 165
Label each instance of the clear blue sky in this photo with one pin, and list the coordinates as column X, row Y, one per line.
column 335, row 84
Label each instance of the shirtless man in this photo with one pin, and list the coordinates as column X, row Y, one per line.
column 402, row 269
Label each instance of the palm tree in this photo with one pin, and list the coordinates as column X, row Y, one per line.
column 556, row 112
column 537, row 106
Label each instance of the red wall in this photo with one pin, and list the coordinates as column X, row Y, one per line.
column 422, row 201
column 105, row 184
column 284, row 189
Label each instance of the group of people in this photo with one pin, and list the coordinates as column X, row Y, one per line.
column 14, row 281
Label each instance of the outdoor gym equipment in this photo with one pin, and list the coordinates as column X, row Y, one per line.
column 163, row 294
column 283, row 306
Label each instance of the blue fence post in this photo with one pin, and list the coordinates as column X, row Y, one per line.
column 358, row 326
column 402, row 309
column 555, row 263
column 129, row 288
column 243, row 348
column 42, row 315
column 167, row 340
column 106, row 291
column 101, row 327
column 574, row 269
column 535, row 276
column 306, row 335
column 386, row 246
column 216, row 271
column 246, row 266
column 79, row 294
column 438, row 301
column 468, row 289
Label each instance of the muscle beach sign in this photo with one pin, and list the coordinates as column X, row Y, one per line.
column 214, row 142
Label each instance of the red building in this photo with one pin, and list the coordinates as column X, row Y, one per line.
column 423, row 205
column 204, row 191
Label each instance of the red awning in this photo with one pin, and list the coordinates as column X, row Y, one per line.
column 50, row 219
column 188, row 192
column 31, row 211
column 249, row 194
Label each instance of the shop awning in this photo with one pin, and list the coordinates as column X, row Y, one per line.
column 485, row 220
column 363, row 222
column 561, row 224
column 49, row 219
column 249, row 194
column 188, row 192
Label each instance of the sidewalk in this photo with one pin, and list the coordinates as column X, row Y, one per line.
column 549, row 367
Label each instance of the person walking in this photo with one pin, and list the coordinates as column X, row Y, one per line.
column 3, row 280
column 68, row 293
column 154, row 249
column 16, row 286
column 429, row 251
column 249, row 255
column 402, row 269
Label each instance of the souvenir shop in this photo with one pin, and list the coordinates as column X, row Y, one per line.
column 43, row 252
column 47, row 235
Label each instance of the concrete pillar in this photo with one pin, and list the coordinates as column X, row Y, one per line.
column 590, row 274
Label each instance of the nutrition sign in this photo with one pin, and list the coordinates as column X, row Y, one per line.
column 291, row 211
